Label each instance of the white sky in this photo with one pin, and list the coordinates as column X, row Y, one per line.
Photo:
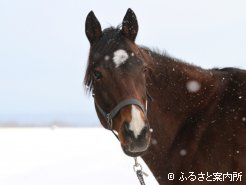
column 43, row 48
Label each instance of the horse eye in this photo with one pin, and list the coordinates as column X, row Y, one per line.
column 97, row 75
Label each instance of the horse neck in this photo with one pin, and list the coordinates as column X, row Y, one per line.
column 180, row 92
column 180, row 87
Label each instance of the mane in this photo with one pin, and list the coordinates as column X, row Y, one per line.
column 162, row 59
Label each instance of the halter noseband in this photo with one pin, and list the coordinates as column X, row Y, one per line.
column 109, row 116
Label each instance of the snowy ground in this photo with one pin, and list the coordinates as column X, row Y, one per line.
column 64, row 156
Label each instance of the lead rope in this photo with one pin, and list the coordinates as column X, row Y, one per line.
column 139, row 172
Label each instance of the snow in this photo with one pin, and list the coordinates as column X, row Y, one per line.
column 153, row 141
column 61, row 156
column 106, row 58
column 193, row 86
column 183, row 152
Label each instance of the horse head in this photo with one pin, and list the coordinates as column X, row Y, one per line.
column 116, row 76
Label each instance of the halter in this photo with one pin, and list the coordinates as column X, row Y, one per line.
column 109, row 116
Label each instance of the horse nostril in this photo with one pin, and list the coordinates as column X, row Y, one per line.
column 144, row 131
column 126, row 128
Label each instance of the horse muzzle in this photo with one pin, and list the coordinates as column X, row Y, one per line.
column 135, row 144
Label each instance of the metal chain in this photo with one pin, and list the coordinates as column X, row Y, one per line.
column 138, row 169
column 140, row 177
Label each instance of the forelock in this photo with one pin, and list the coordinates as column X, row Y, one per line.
column 110, row 41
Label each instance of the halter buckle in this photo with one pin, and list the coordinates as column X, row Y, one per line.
column 137, row 166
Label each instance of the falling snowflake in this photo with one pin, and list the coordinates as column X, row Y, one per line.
column 106, row 58
column 153, row 141
column 193, row 86
column 183, row 152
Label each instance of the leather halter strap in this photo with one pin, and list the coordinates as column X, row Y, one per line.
column 109, row 116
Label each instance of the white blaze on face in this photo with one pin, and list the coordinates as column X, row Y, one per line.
column 120, row 56
column 137, row 122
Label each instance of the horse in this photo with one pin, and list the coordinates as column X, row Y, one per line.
column 187, row 123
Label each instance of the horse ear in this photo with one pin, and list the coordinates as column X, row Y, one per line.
column 130, row 25
column 93, row 28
